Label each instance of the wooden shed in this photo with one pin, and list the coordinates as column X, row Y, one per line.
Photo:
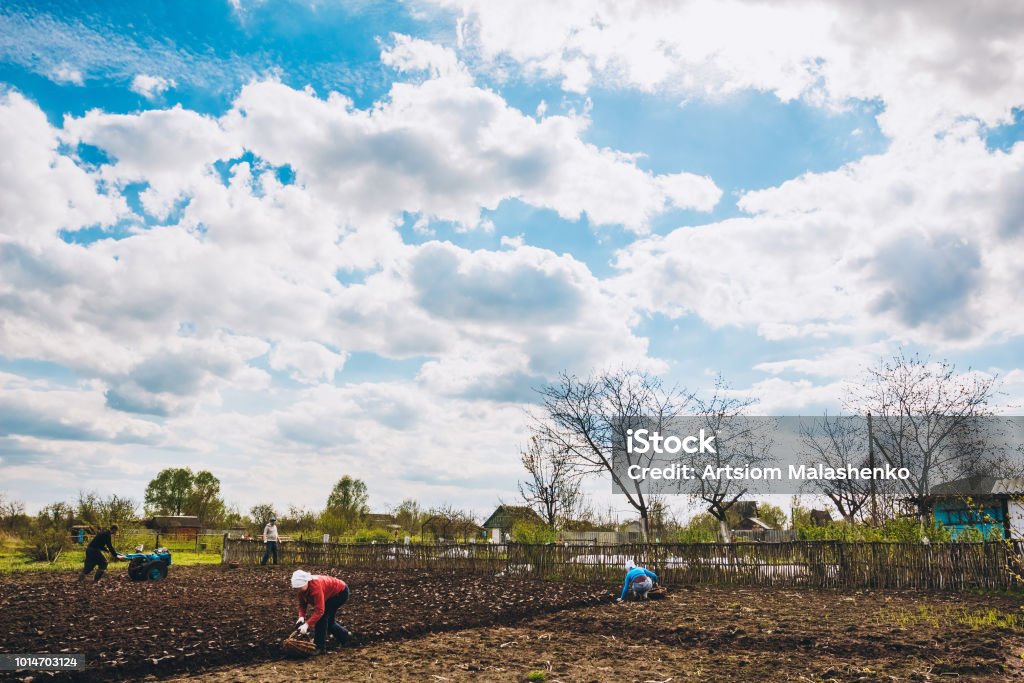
column 182, row 526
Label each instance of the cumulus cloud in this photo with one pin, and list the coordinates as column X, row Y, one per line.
column 34, row 410
column 930, row 62
column 247, row 265
column 908, row 243
column 151, row 87
column 44, row 191
column 65, row 74
column 447, row 149
column 306, row 362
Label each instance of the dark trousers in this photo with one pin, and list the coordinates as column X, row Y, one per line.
column 327, row 621
column 93, row 559
column 271, row 549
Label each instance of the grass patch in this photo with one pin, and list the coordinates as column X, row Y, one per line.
column 537, row 676
column 925, row 615
column 12, row 559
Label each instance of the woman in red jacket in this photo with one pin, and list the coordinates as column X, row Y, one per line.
column 319, row 598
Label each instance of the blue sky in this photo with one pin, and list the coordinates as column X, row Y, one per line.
column 292, row 240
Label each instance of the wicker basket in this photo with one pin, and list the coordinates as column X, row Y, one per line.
column 298, row 646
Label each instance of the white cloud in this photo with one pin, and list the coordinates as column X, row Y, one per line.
column 930, row 62
column 151, row 87
column 169, row 149
column 65, row 74
column 914, row 244
column 308, row 362
column 43, row 191
column 448, row 149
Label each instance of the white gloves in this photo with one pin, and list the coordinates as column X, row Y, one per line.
column 618, row 599
column 304, row 629
column 300, row 621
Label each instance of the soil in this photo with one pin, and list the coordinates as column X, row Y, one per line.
column 225, row 625
column 201, row 617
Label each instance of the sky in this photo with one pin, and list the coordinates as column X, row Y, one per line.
column 288, row 241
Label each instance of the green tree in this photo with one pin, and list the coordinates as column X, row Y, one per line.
column 261, row 513
column 348, row 500
column 204, row 501
column 13, row 519
column 102, row 512
column 408, row 515
column 59, row 516
column 179, row 491
column 771, row 515
column 702, row 528
column 299, row 520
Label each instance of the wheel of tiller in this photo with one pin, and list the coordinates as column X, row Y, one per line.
column 136, row 572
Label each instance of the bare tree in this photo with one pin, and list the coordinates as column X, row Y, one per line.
column 587, row 418
column 835, row 442
column 739, row 442
column 553, row 487
column 925, row 418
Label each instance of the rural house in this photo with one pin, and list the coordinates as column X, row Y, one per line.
column 979, row 502
column 820, row 517
column 499, row 525
column 185, row 526
column 753, row 524
column 380, row 520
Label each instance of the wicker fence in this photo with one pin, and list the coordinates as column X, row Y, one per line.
column 817, row 564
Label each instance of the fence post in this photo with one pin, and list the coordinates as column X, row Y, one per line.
column 224, row 549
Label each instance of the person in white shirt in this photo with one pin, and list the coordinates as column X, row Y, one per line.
column 270, row 541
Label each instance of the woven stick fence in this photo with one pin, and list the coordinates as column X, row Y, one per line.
column 816, row 564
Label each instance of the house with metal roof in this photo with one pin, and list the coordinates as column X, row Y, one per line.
column 986, row 504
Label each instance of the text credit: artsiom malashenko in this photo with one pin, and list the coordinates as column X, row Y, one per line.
column 679, row 472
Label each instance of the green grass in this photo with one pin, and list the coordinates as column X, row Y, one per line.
column 537, row 676
column 15, row 558
column 975, row 619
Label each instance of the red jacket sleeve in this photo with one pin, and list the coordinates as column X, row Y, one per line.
column 315, row 601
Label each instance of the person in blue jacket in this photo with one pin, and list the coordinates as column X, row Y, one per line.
column 638, row 583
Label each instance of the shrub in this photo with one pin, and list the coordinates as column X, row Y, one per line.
column 533, row 533
column 46, row 544
column 900, row 530
column 537, row 676
column 374, row 535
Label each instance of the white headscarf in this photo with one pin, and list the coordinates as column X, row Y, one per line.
column 300, row 578
column 630, row 564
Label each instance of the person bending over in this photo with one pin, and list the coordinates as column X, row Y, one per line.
column 319, row 598
column 638, row 583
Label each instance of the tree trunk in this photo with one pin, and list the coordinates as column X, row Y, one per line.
column 723, row 531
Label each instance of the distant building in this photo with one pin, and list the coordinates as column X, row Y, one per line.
column 582, row 532
column 446, row 528
column 380, row 520
column 820, row 517
column 986, row 504
column 632, row 532
column 499, row 525
column 745, row 508
column 177, row 525
column 753, row 524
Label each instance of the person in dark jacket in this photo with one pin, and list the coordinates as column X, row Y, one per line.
column 319, row 598
column 94, row 553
